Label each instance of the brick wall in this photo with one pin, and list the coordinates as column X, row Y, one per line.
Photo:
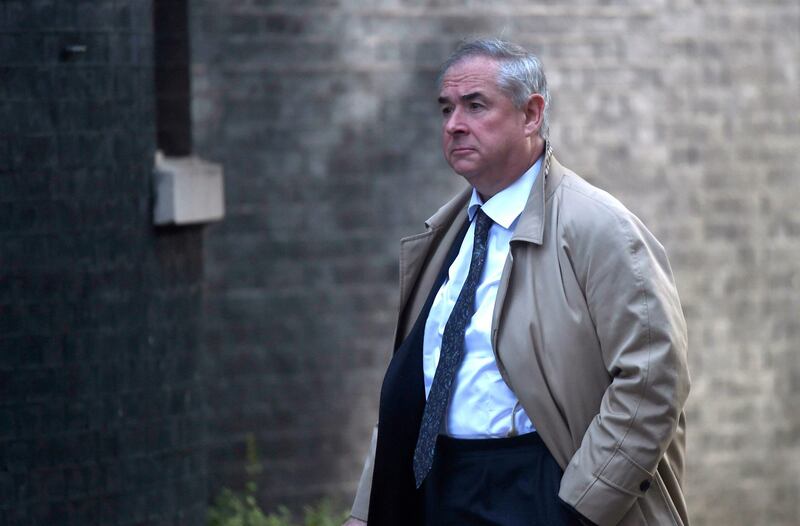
column 100, row 415
column 323, row 114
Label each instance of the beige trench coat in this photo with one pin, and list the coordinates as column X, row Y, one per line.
column 588, row 332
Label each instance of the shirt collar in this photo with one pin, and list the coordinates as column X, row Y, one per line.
column 505, row 206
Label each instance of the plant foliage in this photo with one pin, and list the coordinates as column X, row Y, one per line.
column 233, row 508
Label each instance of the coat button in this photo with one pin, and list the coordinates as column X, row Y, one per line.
column 645, row 485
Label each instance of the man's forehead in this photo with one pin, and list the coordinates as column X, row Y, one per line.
column 469, row 75
column 471, row 66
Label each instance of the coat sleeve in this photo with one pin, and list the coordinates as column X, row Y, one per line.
column 360, row 508
column 633, row 301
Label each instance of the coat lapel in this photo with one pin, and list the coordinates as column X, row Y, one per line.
column 421, row 257
column 529, row 229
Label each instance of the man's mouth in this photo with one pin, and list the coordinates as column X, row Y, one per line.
column 462, row 150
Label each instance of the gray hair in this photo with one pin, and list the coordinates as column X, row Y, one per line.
column 520, row 73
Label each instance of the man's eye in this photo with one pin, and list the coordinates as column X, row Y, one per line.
column 475, row 106
column 446, row 110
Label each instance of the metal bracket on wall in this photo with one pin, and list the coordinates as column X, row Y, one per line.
column 72, row 52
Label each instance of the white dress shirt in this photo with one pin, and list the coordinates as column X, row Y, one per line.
column 481, row 404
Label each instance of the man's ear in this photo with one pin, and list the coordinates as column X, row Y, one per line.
column 534, row 114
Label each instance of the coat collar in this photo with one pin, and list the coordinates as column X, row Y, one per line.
column 530, row 227
column 450, row 210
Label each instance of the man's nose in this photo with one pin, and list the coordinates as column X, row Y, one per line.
column 455, row 123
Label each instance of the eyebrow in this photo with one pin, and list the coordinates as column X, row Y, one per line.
column 465, row 98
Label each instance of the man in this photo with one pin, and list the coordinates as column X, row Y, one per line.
column 539, row 373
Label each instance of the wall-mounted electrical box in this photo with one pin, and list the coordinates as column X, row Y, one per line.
column 188, row 190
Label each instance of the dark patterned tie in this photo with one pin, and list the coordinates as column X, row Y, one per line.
column 451, row 353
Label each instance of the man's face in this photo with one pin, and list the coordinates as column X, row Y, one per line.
column 483, row 135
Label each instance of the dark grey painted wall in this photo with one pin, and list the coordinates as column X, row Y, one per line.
column 101, row 419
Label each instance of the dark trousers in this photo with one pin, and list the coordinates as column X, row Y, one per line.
column 494, row 482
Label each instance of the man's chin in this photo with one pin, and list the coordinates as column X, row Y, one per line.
column 463, row 168
column 468, row 175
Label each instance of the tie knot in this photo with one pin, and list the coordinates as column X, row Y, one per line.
column 482, row 224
